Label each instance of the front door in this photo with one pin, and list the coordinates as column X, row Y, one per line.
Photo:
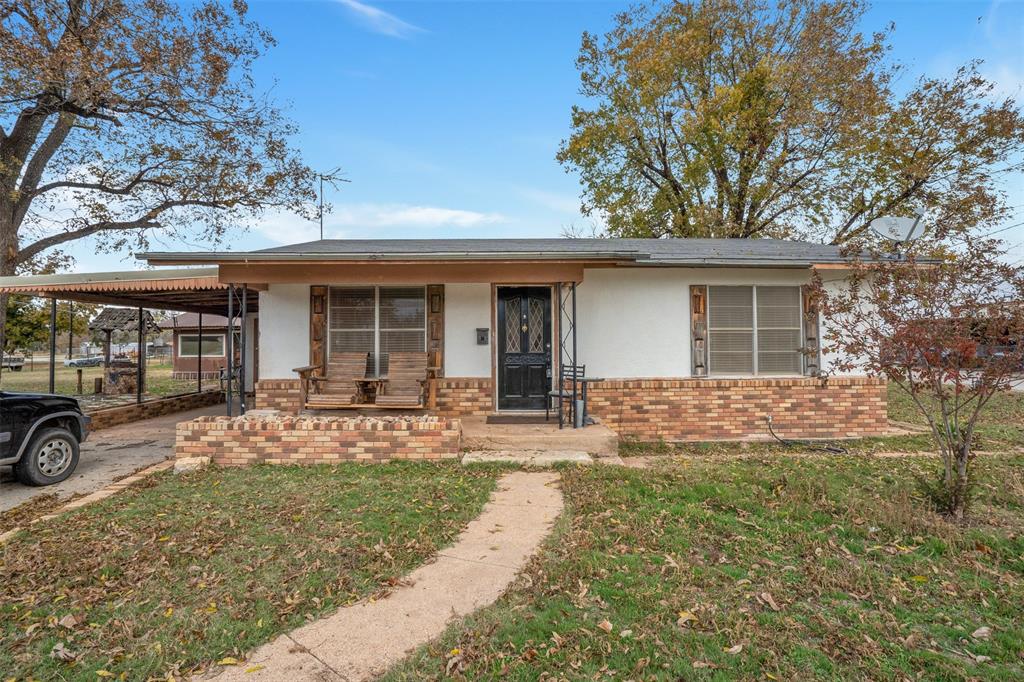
column 524, row 347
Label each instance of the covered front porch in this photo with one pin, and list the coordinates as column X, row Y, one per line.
column 430, row 348
column 452, row 339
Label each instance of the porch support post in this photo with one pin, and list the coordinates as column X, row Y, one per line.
column 53, row 343
column 561, row 347
column 140, row 358
column 241, row 351
column 199, row 357
column 575, row 374
column 231, row 349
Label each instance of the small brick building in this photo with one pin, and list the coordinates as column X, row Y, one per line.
column 189, row 357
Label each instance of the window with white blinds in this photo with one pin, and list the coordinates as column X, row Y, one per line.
column 754, row 330
column 779, row 330
column 731, row 330
column 378, row 321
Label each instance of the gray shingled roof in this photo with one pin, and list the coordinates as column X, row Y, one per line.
column 714, row 252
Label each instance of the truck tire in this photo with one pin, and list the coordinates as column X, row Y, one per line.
column 50, row 458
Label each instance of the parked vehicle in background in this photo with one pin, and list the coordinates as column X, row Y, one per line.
column 95, row 361
column 39, row 436
column 12, row 361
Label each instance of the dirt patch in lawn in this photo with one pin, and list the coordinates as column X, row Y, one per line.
column 182, row 571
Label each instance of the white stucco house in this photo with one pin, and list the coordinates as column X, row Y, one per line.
column 681, row 339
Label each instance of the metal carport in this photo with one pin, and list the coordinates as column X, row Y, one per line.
column 196, row 290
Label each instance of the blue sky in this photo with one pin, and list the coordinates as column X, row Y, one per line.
column 446, row 116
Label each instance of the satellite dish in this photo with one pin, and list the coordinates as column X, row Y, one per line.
column 896, row 229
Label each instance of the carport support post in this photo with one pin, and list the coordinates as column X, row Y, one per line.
column 199, row 357
column 139, row 360
column 53, row 342
column 241, row 352
column 71, row 328
column 231, row 349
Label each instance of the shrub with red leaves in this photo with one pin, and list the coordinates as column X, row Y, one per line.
column 946, row 327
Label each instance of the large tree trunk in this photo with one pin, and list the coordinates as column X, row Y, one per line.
column 8, row 257
column 6, row 269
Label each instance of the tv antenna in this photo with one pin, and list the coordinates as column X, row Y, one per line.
column 332, row 177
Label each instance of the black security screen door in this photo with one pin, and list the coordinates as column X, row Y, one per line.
column 524, row 347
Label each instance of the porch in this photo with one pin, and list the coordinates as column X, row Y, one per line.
column 456, row 349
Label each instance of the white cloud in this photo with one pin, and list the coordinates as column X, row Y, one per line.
column 402, row 215
column 288, row 228
column 379, row 21
column 351, row 220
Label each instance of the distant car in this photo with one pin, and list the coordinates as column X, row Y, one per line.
column 12, row 361
column 39, row 436
column 95, row 361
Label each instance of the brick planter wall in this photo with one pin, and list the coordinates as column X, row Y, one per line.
column 279, row 394
column 315, row 440
column 464, row 396
column 734, row 409
column 125, row 414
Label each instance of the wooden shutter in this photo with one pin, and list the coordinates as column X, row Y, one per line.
column 318, row 328
column 698, row 329
column 435, row 326
column 812, row 330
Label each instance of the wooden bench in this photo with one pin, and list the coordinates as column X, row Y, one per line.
column 403, row 386
column 339, row 388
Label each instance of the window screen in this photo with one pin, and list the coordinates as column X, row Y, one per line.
column 403, row 321
column 378, row 321
column 754, row 330
column 778, row 330
column 731, row 329
column 352, row 317
column 188, row 345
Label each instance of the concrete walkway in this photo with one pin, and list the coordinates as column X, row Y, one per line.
column 106, row 455
column 362, row 641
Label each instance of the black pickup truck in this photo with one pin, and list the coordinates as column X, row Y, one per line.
column 39, row 436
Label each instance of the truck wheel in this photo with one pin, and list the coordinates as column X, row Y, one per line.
column 51, row 458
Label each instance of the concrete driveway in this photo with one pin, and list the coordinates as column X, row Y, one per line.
column 106, row 455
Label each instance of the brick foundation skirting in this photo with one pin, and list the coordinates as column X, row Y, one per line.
column 461, row 397
column 279, row 394
column 317, row 440
column 735, row 409
column 125, row 414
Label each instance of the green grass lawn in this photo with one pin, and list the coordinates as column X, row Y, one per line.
column 180, row 572
column 759, row 568
column 37, row 378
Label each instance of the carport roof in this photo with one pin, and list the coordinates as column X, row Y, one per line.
column 195, row 290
